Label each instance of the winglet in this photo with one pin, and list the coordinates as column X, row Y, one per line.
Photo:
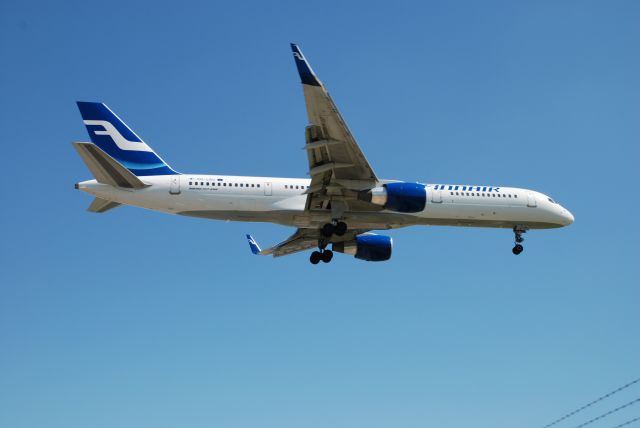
column 307, row 75
column 255, row 248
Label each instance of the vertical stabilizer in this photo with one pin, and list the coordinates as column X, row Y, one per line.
column 114, row 137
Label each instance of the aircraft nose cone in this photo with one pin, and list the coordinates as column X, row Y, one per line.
column 567, row 217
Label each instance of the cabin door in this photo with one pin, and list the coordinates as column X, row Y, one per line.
column 267, row 189
column 174, row 184
column 436, row 196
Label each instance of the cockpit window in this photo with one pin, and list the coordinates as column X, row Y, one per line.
column 551, row 200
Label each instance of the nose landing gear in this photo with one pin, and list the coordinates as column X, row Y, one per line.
column 518, row 232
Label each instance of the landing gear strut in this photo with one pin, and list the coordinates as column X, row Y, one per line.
column 518, row 231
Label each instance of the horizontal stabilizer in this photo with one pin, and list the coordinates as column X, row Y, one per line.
column 106, row 169
column 102, row 205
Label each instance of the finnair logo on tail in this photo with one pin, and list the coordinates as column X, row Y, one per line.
column 116, row 136
column 298, row 55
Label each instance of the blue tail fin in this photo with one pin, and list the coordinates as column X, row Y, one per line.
column 114, row 137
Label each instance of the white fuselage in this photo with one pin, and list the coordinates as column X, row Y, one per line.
column 282, row 201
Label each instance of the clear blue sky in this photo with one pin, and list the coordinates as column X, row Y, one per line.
column 140, row 319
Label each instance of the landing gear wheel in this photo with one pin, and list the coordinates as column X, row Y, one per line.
column 327, row 230
column 341, row 228
column 327, row 255
column 517, row 249
column 315, row 257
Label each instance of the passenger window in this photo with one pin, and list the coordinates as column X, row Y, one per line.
column 515, row 196
column 235, row 184
column 253, row 185
column 189, row 183
column 258, row 185
column 509, row 195
column 451, row 193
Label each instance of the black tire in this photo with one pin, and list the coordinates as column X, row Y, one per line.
column 517, row 249
column 341, row 228
column 327, row 230
column 327, row 255
column 315, row 257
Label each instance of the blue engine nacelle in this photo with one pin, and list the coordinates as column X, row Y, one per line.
column 400, row 197
column 368, row 246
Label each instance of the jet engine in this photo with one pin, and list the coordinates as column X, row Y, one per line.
column 368, row 246
column 400, row 197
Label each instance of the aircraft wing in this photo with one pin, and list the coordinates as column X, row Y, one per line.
column 301, row 240
column 337, row 166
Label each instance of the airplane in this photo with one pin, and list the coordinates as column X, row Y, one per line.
column 339, row 205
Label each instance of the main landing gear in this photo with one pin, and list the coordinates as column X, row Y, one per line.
column 336, row 227
column 518, row 231
column 324, row 255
